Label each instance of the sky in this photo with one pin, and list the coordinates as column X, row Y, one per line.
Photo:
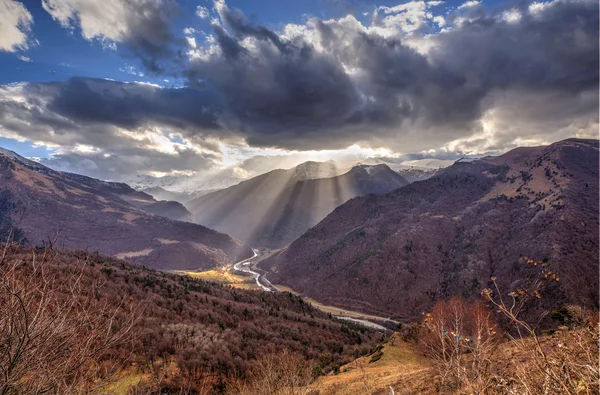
column 116, row 89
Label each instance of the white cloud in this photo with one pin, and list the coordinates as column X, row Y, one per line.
column 191, row 41
column 468, row 4
column 131, row 70
column 202, row 12
column 15, row 26
column 538, row 7
column 98, row 20
column 439, row 20
column 407, row 17
column 24, row 58
column 511, row 16
column 434, row 3
column 140, row 23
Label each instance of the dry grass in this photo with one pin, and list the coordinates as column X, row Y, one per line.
column 400, row 367
column 126, row 380
column 133, row 254
column 226, row 276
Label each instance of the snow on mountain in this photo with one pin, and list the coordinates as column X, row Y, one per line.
column 429, row 163
column 313, row 170
column 192, row 185
column 22, row 160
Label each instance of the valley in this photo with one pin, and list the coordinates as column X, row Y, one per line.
column 251, row 277
column 361, row 297
column 322, row 197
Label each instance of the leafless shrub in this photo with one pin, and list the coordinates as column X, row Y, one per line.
column 282, row 374
column 57, row 336
column 565, row 363
column 460, row 338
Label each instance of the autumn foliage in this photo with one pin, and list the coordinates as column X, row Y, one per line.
column 72, row 321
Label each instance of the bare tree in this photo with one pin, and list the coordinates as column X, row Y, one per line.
column 281, row 374
column 460, row 338
column 57, row 333
column 565, row 363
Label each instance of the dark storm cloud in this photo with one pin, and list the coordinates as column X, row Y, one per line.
column 282, row 88
column 103, row 104
column 110, row 129
column 128, row 163
column 131, row 105
column 287, row 93
column 144, row 27
column 531, row 70
column 150, row 36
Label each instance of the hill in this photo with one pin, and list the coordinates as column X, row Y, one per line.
column 395, row 254
column 93, row 319
column 160, row 193
column 82, row 212
column 273, row 209
column 169, row 209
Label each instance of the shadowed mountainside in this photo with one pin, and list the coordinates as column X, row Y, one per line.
column 104, row 216
column 397, row 253
column 273, row 209
column 159, row 193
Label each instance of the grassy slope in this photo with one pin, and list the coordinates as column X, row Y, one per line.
column 400, row 367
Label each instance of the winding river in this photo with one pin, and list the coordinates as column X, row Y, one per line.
column 246, row 266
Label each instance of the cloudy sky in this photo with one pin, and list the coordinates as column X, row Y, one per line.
column 117, row 88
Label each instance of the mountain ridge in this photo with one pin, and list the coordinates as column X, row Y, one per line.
column 274, row 208
column 83, row 212
column 449, row 234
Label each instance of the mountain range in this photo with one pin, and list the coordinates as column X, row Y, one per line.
column 182, row 188
column 273, row 209
column 74, row 211
column 397, row 253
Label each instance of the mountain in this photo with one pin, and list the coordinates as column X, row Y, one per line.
column 412, row 174
column 195, row 336
column 159, row 193
column 105, row 216
column 182, row 188
column 169, row 209
column 398, row 252
column 416, row 170
column 273, row 209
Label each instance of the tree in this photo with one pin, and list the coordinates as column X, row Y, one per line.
column 460, row 337
column 276, row 374
column 56, row 336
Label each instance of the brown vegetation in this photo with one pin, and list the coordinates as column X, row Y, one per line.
column 58, row 334
column 70, row 319
column 481, row 357
column 276, row 374
column 397, row 254
column 105, row 217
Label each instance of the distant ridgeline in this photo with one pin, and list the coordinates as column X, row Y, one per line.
column 395, row 254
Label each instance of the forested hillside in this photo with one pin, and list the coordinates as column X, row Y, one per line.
column 75, row 211
column 396, row 254
column 75, row 320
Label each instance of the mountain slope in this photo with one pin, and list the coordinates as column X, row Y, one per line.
column 418, row 170
column 273, row 209
column 87, row 213
column 185, row 187
column 396, row 253
column 194, row 334
column 169, row 209
column 159, row 193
